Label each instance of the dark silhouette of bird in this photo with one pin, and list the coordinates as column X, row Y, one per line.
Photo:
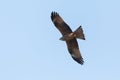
column 69, row 36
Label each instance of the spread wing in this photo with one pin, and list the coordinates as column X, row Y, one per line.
column 72, row 44
column 73, row 49
column 60, row 24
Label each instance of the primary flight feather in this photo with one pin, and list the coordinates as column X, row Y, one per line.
column 69, row 36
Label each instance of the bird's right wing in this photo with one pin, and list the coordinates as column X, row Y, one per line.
column 73, row 49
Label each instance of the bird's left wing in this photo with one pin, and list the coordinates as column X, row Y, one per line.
column 60, row 24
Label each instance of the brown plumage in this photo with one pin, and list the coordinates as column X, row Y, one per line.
column 69, row 36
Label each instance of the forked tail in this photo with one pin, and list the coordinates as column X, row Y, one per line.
column 79, row 33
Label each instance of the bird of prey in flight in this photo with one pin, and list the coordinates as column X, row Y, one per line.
column 69, row 36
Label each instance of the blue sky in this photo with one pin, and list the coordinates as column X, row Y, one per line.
column 30, row 48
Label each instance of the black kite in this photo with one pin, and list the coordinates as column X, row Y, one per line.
column 69, row 36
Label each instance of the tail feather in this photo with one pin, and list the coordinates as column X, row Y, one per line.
column 79, row 33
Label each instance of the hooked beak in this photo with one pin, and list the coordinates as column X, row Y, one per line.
column 61, row 39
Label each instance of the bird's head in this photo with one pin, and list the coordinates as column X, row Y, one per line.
column 62, row 39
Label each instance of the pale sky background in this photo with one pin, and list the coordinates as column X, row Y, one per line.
column 30, row 48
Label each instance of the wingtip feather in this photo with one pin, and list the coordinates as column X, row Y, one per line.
column 54, row 14
column 79, row 60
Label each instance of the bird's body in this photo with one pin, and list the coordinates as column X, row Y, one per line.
column 69, row 36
